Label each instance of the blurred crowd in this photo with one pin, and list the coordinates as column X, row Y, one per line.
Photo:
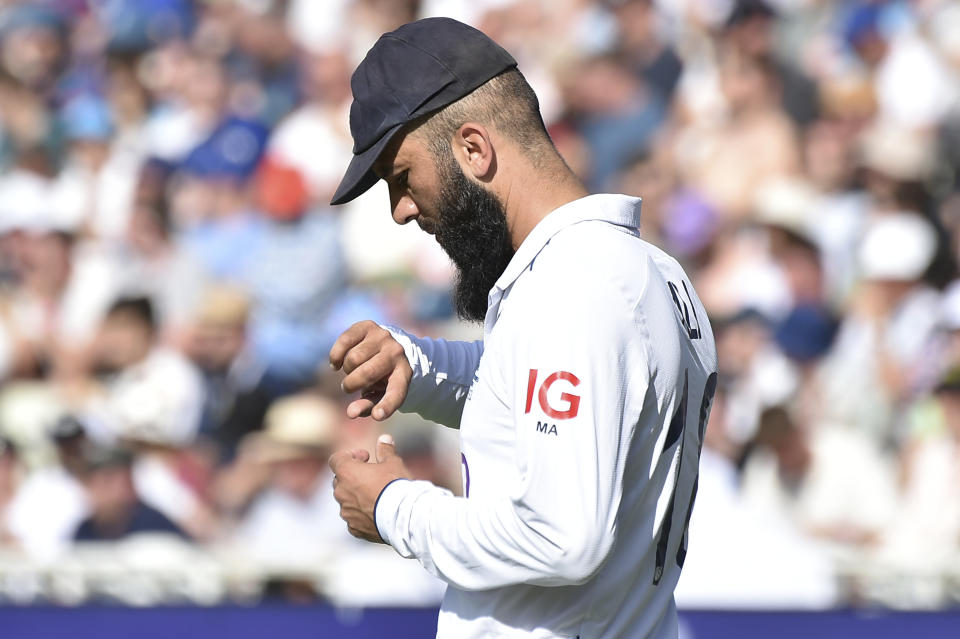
column 172, row 278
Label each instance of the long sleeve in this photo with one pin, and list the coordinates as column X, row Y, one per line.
column 442, row 374
column 551, row 520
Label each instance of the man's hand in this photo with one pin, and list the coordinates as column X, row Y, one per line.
column 357, row 484
column 376, row 366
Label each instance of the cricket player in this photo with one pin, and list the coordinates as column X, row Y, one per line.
column 582, row 410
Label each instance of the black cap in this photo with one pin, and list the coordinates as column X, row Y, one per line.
column 67, row 427
column 744, row 10
column 415, row 70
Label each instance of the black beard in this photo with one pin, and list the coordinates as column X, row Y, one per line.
column 472, row 230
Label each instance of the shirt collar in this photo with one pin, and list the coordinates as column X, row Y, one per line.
column 621, row 210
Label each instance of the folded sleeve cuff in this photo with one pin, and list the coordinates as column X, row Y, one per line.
column 386, row 507
column 393, row 511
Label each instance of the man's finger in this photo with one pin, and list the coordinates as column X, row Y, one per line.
column 395, row 393
column 360, row 454
column 359, row 408
column 374, row 370
column 386, row 448
column 338, row 459
column 347, row 340
column 359, row 354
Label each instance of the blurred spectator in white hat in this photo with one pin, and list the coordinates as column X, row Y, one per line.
column 900, row 167
column 279, row 487
column 786, row 207
column 878, row 358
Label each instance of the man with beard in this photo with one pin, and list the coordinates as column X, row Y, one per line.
column 582, row 410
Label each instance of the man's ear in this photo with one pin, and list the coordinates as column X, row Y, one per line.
column 473, row 147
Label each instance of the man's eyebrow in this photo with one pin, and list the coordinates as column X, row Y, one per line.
column 383, row 169
column 377, row 168
column 391, row 172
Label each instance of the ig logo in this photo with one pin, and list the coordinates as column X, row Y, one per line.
column 572, row 402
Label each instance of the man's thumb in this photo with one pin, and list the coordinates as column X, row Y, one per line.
column 386, row 448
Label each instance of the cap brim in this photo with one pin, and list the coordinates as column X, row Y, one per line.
column 360, row 176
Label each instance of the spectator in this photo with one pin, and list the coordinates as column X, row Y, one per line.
column 51, row 502
column 615, row 113
column 153, row 262
column 878, row 358
column 641, row 45
column 35, row 309
column 740, row 555
column 33, row 45
column 93, row 192
column 320, row 123
column 805, row 337
column 927, row 527
column 754, row 143
column 213, row 202
column 830, row 483
column 236, row 397
column 751, row 29
column 280, row 486
column 116, row 509
column 132, row 365
column 296, row 275
column 152, row 405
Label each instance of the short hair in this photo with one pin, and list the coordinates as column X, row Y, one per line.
column 139, row 308
column 505, row 102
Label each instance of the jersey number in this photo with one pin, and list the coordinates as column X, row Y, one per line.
column 692, row 325
column 675, row 432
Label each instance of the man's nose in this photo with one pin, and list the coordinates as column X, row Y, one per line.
column 405, row 210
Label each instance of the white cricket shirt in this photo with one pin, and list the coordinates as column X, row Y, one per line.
column 581, row 417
